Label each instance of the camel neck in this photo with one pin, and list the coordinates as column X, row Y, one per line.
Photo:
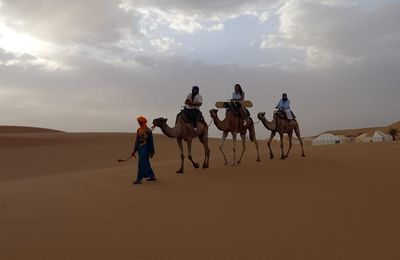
column 269, row 125
column 221, row 125
column 172, row 132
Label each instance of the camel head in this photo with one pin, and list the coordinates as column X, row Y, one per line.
column 159, row 121
column 261, row 115
column 214, row 113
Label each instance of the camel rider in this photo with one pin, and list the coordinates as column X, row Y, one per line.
column 238, row 95
column 284, row 105
column 192, row 110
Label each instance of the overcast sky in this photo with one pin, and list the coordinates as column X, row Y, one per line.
column 95, row 65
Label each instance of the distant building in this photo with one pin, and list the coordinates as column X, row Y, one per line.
column 380, row 136
column 363, row 138
column 325, row 139
column 344, row 139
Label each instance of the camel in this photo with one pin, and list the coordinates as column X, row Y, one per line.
column 282, row 126
column 184, row 131
column 234, row 124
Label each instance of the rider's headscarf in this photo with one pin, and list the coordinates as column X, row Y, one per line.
column 143, row 125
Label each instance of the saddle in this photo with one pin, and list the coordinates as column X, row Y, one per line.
column 232, row 106
column 237, row 107
column 282, row 114
column 191, row 116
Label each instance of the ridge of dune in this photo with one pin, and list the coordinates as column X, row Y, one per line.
column 366, row 130
column 9, row 129
column 394, row 125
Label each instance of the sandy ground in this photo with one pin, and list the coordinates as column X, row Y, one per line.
column 63, row 196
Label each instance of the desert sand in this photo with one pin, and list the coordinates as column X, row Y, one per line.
column 64, row 196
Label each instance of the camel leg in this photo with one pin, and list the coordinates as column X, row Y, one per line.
column 271, row 155
column 256, row 144
column 189, row 145
column 208, row 151
column 290, row 134
column 281, row 142
column 221, row 146
column 204, row 140
column 258, row 152
column 253, row 138
column 297, row 131
column 234, row 137
column 243, row 136
column 179, row 140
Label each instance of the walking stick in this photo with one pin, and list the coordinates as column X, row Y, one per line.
column 124, row 160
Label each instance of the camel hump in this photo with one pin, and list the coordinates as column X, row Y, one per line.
column 225, row 104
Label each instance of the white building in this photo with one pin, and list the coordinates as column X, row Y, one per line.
column 380, row 136
column 343, row 139
column 364, row 138
column 325, row 139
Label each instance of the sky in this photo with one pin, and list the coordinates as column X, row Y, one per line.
column 95, row 65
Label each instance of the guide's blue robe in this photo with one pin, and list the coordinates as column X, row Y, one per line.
column 144, row 146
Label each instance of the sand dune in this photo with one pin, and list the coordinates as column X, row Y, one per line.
column 64, row 196
column 368, row 130
column 30, row 155
column 25, row 130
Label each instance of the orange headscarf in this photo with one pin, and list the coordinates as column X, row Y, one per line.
column 143, row 124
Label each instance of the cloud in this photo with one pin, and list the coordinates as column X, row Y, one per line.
column 192, row 16
column 335, row 32
column 206, row 8
column 27, row 50
column 109, row 29
column 5, row 57
column 151, row 19
column 64, row 22
column 164, row 43
column 263, row 17
column 50, row 31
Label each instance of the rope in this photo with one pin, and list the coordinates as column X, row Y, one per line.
column 210, row 123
